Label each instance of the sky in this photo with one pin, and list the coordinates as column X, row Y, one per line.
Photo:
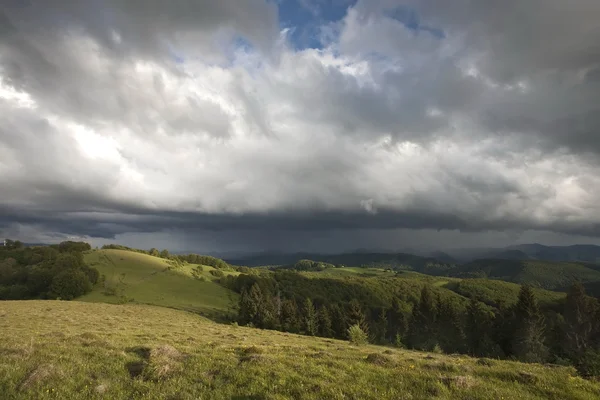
column 300, row 125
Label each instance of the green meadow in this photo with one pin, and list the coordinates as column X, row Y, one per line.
column 79, row 350
column 141, row 278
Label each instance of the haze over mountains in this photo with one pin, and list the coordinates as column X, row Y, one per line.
column 534, row 251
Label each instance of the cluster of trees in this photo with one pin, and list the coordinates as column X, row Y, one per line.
column 45, row 272
column 309, row 265
column 434, row 322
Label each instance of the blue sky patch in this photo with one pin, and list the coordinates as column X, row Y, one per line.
column 304, row 18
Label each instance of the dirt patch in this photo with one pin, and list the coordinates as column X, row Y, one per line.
column 157, row 364
column 459, row 382
column 40, row 374
column 101, row 388
column 164, row 362
column 380, row 359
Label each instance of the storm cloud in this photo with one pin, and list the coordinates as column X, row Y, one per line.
column 203, row 120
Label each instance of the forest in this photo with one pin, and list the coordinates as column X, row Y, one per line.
column 424, row 317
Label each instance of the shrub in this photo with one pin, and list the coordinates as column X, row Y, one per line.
column 217, row 273
column 69, row 284
column 589, row 364
column 92, row 274
column 357, row 336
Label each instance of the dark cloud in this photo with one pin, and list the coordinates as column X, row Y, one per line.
column 200, row 118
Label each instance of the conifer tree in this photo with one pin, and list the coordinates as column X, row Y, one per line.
column 397, row 321
column 355, row 315
column 249, row 305
column 338, row 321
column 578, row 322
column 478, row 326
column 451, row 334
column 310, row 318
column 528, row 340
column 324, row 322
column 289, row 316
column 423, row 332
column 381, row 324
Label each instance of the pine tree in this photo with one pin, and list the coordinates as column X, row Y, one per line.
column 355, row 315
column 381, row 324
column 257, row 307
column 528, row 340
column 423, row 332
column 397, row 321
column 324, row 323
column 249, row 305
column 310, row 318
column 578, row 322
column 289, row 316
column 478, row 328
column 338, row 321
column 451, row 334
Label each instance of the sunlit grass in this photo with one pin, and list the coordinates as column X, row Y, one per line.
column 144, row 279
column 64, row 350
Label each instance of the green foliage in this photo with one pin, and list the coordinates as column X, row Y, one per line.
column 216, row 272
column 309, row 265
column 552, row 275
column 29, row 272
column 588, row 365
column 357, row 336
column 528, row 340
column 423, row 330
column 69, row 284
column 310, row 318
column 324, row 323
column 73, row 247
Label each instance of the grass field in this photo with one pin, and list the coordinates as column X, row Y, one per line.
column 152, row 280
column 64, row 350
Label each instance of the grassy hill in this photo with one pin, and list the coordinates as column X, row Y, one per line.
column 552, row 275
column 141, row 278
column 59, row 350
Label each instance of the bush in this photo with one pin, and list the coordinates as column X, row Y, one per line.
column 70, row 284
column 92, row 274
column 589, row 364
column 357, row 336
column 217, row 273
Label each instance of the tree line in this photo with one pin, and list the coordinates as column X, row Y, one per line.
column 45, row 272
column 568, row 334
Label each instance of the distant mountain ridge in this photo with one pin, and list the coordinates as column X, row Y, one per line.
column 532, row 251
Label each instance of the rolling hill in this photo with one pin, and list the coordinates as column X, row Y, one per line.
column 60, row 350
column 550, row 275
column 141, row 278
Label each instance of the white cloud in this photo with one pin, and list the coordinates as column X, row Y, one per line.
column 380, row 119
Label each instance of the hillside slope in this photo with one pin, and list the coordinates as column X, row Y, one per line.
column 551, row 275
column 141, row 278
column 56, row 350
